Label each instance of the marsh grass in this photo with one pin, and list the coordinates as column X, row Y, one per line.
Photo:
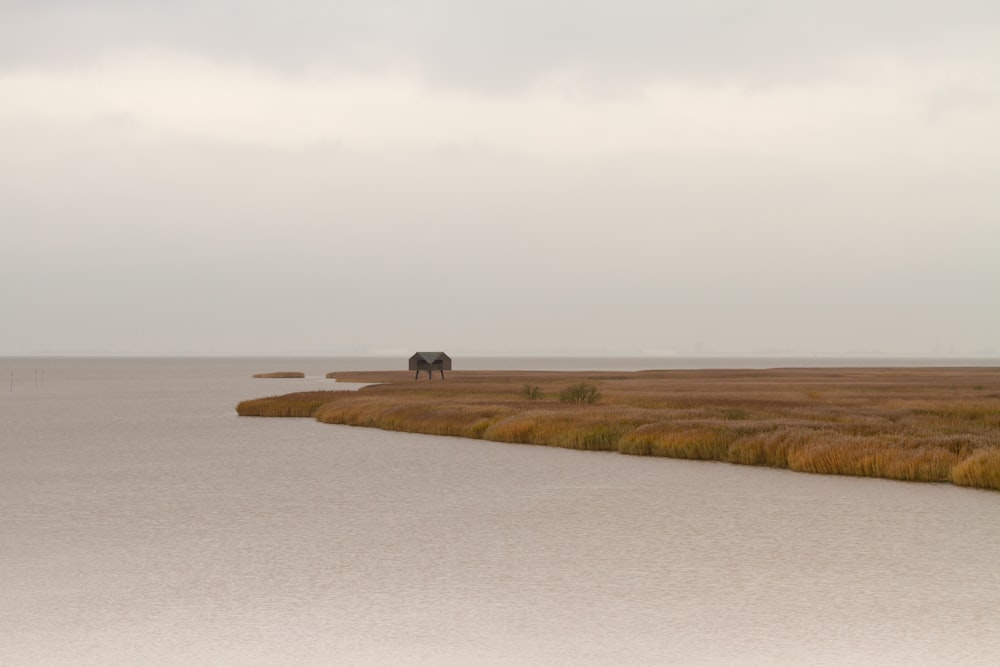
column 933, row 425
column 302, row 404
column 560, row 428
column 981, row 469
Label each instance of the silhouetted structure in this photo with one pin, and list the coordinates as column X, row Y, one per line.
column 430, row 362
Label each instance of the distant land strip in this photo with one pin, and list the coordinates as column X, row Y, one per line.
column 281, row 374
column 915, row 424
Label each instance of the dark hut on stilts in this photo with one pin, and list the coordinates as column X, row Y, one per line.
column 430, row 362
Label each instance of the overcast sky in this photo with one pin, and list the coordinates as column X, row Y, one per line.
column 591, row 177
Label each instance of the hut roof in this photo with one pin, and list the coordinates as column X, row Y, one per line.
column 431, row 357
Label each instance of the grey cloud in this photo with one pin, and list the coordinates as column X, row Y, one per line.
column 509, row 43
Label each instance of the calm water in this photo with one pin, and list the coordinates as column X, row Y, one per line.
column 143, row 522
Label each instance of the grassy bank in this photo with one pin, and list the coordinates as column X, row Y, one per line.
column 933, row 425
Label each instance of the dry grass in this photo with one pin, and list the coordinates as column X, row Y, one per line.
column 936, row 425
column 280, row 374
column 302, row 404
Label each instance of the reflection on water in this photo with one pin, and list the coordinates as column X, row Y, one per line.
column 144, row 523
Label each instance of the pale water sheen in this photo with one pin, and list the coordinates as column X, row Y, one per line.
column 143, row 522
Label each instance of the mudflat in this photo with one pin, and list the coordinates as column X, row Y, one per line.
column 917, row 424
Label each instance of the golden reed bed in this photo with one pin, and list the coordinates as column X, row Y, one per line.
column 920, row 424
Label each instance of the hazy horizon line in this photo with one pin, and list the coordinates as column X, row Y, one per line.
column 504, row 355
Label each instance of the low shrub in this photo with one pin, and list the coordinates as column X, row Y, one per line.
column 531, row 392
column 582, row 392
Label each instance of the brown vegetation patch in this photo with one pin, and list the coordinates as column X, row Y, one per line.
column 301, row 404
column 934, row 424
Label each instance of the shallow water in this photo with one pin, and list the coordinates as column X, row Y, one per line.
column 143, row 522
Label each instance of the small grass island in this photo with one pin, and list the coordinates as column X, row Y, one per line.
column 917, row 424
column 280, row 374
